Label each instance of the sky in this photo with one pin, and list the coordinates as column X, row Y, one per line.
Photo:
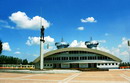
column 76, row 21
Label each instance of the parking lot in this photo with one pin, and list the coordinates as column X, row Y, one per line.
column 115, row 76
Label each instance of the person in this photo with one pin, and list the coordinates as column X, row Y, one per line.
column 42, row 33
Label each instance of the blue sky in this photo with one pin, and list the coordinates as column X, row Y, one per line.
column 107, row 21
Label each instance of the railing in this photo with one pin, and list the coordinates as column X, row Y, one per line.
column 13, row 66
column 124, row 67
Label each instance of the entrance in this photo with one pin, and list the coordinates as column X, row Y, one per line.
column 56, row 65
column 92, row 65
column 74, row 65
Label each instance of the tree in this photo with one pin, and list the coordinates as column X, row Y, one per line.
column 10, row 60
column 31, row 63
column 0, row 46
column 25, row 62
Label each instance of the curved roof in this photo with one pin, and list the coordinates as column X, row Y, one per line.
column 79, row 49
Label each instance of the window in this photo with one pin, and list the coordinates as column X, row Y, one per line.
column 80, row 58
column 105, row 58
column 85, row 58
column 88, row 58
column 66, row 58
column 112, row 63
column 98, row 58
column 76, row 58
column 93, row 58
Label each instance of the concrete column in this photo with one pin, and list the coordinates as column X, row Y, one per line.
column 79, row 58
column 41, row 55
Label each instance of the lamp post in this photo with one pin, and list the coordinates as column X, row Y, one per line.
column 41, row 48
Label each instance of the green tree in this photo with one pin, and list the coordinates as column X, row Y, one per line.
column 10, row 60
column 0, row 46
column 19, row 61
column 31, row 63
column 25, row 62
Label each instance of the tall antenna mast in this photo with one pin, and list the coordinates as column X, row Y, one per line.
column 62, row 40
column 41, row 18
column 91, row 39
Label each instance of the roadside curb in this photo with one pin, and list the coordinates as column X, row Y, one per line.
column 41, row 72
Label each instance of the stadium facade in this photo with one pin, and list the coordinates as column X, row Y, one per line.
column 77, row 57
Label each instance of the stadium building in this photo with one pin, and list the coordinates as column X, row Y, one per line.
column 77, row 57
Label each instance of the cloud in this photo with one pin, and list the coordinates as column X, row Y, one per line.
column 17, row 52
column 6, row 46
column 106, row 34
column 33, row 41
column 89, row 19
column 80, row 28
column 24, row 22
column 36, row 40
column 125, row 53
column 105, row 49
column 102, row 41
column 75, row 43
column 122, row 50
column 48, row 39
column 5, row 24
column 36, row 55
column 124, row 43
column 18, row 48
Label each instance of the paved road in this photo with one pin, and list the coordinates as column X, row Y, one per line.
column 82, row 77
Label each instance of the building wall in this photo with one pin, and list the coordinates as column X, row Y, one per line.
column 37, row 65
column 108, row 65
column 65, row 65
column 48, row 65
column 83, row 65
column 84, row 59
column 66, row 58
